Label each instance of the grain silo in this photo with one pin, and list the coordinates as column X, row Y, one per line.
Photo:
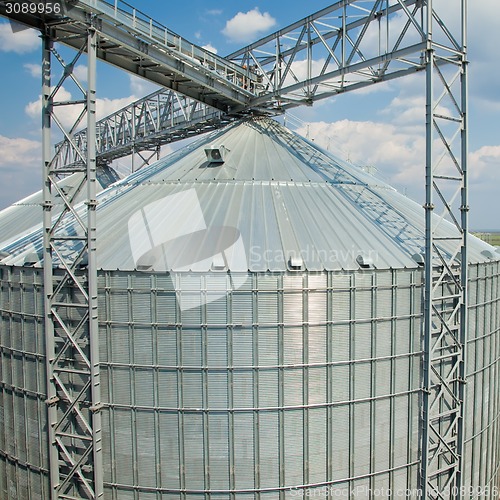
column 260, row 331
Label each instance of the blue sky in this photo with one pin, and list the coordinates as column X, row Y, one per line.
column 382, row 127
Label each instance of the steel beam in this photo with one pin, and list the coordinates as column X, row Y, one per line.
column 70, row 295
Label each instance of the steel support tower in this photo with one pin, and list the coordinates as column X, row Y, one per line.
column 323, row 55
column 72, row 350
column 446, row 274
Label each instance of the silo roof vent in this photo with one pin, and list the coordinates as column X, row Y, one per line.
column 295, row 263
column 418, row 258
column 31, row 259
column 216, row 154
column 219, row 263
column 364, row 262
column 488, row 254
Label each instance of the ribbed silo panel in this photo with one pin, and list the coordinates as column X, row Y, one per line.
column 169, row 449
column 361, row 437
column 192, row 347
column 382, row 438
column 122, row 385
column 293, row 345
column 243, row 347
column 269, row 449
column 143, row 345
column 20, row 429
column 317, row 338
column 341, row 340
column 317, row 385
column 294, row 445
column 218, row 390
column 268, row 385
column 168, row 392
column 216, row 345
column 245, row 450
column 293, row 307
column 268, row 344
column 123, row 440
column 340, row 383
column 195, row 455
column 144, row 387
column 341, row 425
column 166, row 346
column 147, row 449
column 316, row 443
column 243, row 392
column 192, row 389
column 293, row 390
column 483, row 400
column 267, row 308
column 141, row 307
column 361, row 374
column 218, row 451
column 23, row 442
column 119, row 307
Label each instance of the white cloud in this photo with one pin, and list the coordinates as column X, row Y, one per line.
column 19, row 151
column 214, row 12
column 141, row 87
column 20, row 42
column 34, row 108
column 69, row 114
column 107, row 106
column 20, row 168
column 35, row 70
column 397, row 153
column 245, row 26
column 210, row 48
column 485, row 164
column 80, row 72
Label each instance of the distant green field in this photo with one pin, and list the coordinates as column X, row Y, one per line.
column 491, row 238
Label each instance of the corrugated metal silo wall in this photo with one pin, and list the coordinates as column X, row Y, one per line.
column 482, row 436
column 23, row 432
column 290, row 380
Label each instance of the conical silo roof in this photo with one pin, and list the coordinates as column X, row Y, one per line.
column 25, row 216
column 275, row 198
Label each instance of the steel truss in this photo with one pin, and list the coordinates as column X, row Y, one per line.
column 71, row 322
column 446, row 273
column 160, row 118
column 348, row 45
